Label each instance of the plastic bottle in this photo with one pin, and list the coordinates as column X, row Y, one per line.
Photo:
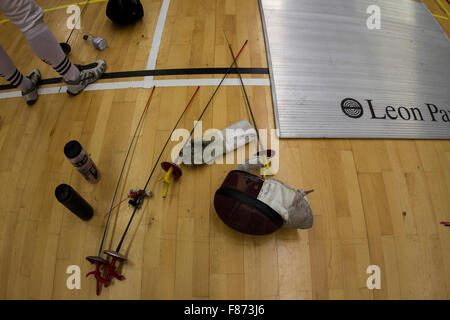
column 73, row 201
column 82, row 161
column 98, row 42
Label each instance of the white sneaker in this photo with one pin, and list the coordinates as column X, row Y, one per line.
column 31, row 94
column 89, row 73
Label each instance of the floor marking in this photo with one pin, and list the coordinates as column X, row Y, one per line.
column 440, row 17
column 63, row 7
column 158, row 72
column 151, row 62
column 209, row 82
column 443, row 8
column 147, row 84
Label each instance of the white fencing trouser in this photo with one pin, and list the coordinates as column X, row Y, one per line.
column 28, row 17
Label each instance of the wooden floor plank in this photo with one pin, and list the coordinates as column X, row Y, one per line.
column 376, row 202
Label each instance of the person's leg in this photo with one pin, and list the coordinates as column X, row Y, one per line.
column 43, row 43
column 45, row 46
column 9, row 71
column 28, row 17
column 27, row 84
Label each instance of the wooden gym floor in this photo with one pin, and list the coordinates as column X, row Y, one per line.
column 377, row 202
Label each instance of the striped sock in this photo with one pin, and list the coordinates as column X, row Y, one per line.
column 9, row 71
column 17, row 80
column 45, row 46
column 66, row 67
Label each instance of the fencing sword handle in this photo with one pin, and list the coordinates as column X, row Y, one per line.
column 111, row 267
column 167, row 179
column 267, row 167
column 173, row 172
column 98, row 261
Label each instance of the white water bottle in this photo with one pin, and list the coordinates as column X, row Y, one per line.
column 98, row 42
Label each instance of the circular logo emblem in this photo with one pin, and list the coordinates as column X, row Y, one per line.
column 352, row 108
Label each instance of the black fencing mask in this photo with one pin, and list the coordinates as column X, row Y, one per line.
column 124, row 11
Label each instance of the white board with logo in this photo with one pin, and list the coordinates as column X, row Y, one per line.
column 357, row 69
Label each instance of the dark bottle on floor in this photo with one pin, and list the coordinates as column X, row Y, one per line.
column 73, row 201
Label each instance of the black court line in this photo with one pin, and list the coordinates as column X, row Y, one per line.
column 159, row 72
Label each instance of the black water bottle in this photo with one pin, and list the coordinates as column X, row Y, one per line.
column 73, row 201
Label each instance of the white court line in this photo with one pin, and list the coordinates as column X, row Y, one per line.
column 210, row 82
column 146, row 84
column 151, row 62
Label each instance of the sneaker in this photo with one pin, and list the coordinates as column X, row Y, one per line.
column 31, row 94
column 88, row 74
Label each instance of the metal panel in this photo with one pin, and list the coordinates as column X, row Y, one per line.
column 321, row 52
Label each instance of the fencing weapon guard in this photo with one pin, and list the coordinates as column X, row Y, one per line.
column 172, row 170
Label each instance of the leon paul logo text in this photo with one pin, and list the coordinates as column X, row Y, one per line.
column 427, row 112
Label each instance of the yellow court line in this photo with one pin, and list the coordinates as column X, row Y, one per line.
column 63, row 7
column 440, row 17
column 443, row 8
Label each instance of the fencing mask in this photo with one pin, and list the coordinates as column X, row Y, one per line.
column 124, row 11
